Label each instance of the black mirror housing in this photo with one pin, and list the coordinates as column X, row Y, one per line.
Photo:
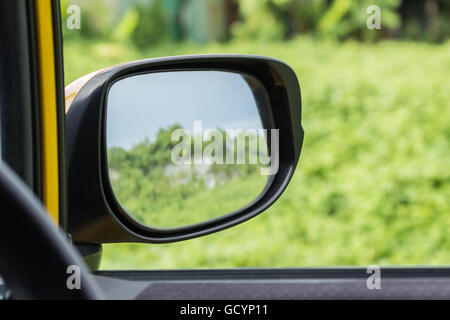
column 94, row 214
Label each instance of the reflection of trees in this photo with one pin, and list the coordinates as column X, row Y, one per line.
column 145, row 176
column 153, row 158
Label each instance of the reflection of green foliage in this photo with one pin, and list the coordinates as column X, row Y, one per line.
column 144, row 186
column 373, row 182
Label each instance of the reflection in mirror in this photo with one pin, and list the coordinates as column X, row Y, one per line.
column 185, row 147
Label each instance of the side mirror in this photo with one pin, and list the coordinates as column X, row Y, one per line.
column 163, row 150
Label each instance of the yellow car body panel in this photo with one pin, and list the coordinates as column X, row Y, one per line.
column 48, row 104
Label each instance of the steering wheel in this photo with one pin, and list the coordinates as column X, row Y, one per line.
column 34, row 255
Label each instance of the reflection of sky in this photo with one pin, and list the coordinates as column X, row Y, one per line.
column 138, row 106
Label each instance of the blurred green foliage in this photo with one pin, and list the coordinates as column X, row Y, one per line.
column 345, row 17
column 373, row 181
column 146, row 23
column 342, row 19
column 150, row 28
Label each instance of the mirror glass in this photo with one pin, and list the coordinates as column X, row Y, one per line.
column 184, row 147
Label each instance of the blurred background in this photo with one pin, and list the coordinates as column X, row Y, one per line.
column 373, row 182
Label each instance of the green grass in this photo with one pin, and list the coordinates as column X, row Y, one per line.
column 373, row 182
